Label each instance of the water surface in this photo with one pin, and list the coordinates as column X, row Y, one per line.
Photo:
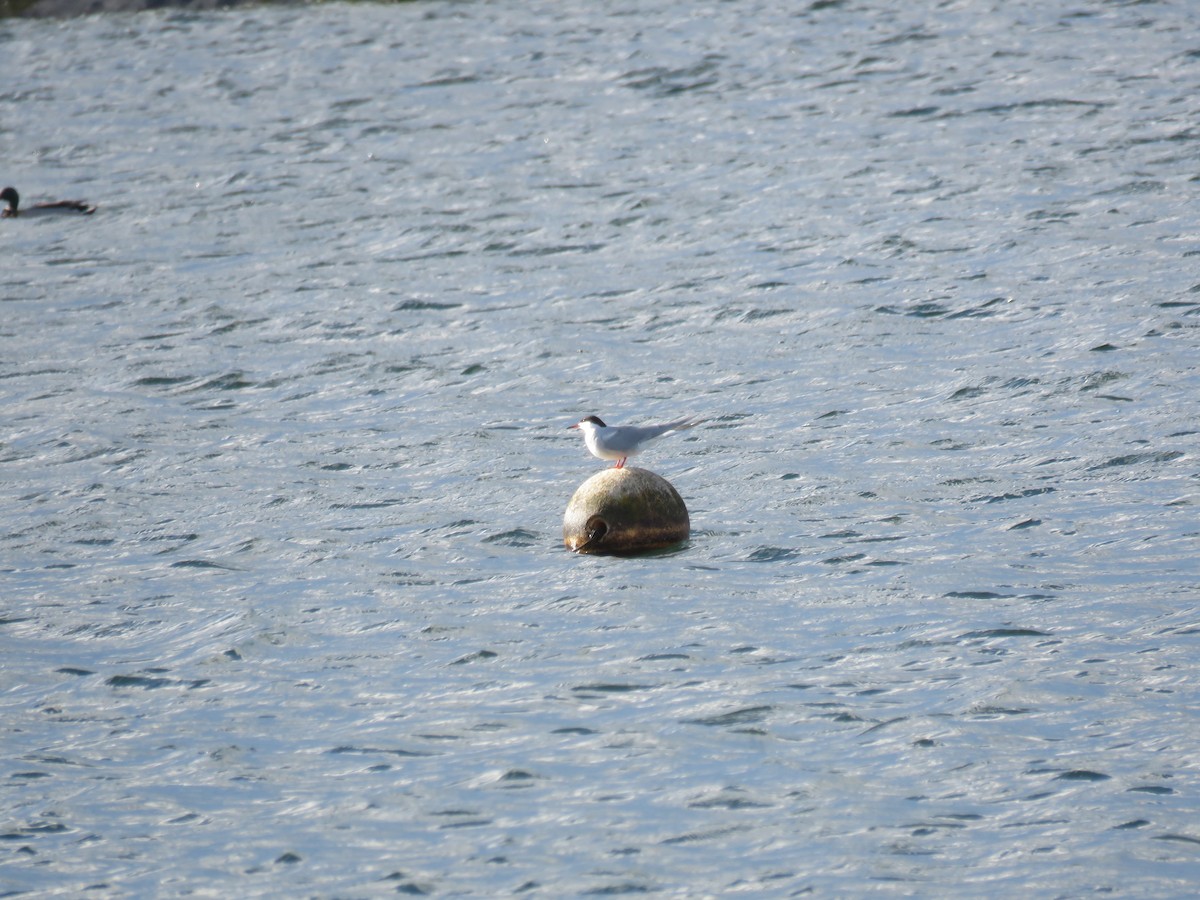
column 285, row 606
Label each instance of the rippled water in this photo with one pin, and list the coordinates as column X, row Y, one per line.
column 285, row 606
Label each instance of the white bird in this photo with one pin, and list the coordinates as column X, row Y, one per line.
column 12, row 209
column 620, row 442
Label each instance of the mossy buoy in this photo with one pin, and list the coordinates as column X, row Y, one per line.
column 626, row 510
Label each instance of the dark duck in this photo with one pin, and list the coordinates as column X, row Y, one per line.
column 13, row 208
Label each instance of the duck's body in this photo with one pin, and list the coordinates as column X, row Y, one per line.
column 619, row 442
column 58, row 207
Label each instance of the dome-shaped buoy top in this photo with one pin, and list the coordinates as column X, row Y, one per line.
column 625, row 510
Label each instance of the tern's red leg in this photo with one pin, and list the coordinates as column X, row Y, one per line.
column 621, row 462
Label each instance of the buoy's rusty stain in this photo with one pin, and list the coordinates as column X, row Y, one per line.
column 626, row 510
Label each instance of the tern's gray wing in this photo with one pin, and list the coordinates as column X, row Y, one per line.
column 681, row 424
column 630, row 437
column 625, row 438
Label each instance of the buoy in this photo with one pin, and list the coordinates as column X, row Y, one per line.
column 626, row 510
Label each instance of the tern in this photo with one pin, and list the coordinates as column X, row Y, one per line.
column 13, row 199
column 620, row 442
